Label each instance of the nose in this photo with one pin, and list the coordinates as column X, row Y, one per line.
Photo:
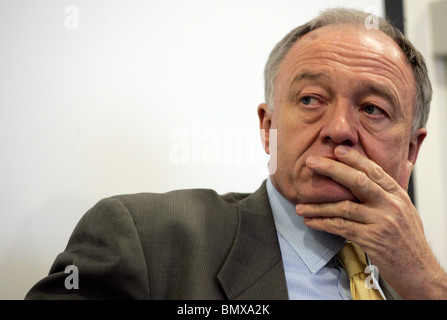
column 340, row 125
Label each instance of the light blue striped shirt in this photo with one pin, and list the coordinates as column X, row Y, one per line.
column 309, row 256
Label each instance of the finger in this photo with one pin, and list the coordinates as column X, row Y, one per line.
column 356, row 181
column 339, row 226
column 358, row 161
column 344, row 209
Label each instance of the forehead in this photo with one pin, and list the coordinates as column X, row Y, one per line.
column 351, row 49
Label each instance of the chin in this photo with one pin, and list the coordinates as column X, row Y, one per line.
column 326, row 192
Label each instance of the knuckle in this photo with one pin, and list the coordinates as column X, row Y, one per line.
column 361, row 179
column 342, row 227
column 345, row 207
column 388, row 219
column 339, row 223
column 392, row 222
column 377, row 173
column 351, row 210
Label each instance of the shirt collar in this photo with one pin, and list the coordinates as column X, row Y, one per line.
column 316, row 248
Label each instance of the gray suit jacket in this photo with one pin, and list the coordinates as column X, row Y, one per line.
column 185, row 244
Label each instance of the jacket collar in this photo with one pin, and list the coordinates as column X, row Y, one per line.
column 253, row 269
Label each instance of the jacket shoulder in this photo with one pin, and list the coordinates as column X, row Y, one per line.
column 185, row 235
column 202, row 195
column 191, row 203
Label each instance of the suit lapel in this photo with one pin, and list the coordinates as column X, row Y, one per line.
column 388, row 291
column 253, row 269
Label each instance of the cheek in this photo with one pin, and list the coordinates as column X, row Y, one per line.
column 390, row 153
column 294, row 139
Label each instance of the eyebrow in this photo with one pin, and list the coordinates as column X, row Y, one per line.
column 320, row 78
column 310, row 76
column 379, row 90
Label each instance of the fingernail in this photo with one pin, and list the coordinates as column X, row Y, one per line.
column 313, row 160
column 342, row 150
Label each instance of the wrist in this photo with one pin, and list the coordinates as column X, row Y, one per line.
column 431, row 286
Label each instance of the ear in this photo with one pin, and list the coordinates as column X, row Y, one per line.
column 265, row 123
column 416, row 139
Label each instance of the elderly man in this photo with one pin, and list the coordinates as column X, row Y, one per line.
column 345, row 114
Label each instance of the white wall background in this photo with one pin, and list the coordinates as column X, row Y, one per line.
column 431, row 173
column 97, row 111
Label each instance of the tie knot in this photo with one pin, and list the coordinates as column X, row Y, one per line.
column 353, row 259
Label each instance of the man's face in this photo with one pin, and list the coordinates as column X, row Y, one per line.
column 341, row 85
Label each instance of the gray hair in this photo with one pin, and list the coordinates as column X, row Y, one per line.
column 352, row 16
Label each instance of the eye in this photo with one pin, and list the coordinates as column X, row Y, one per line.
column 309, row 100
column 373, row 110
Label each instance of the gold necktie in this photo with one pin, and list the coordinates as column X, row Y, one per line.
column 353, row 260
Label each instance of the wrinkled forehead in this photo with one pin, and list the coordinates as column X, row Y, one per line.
column 349, row 47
